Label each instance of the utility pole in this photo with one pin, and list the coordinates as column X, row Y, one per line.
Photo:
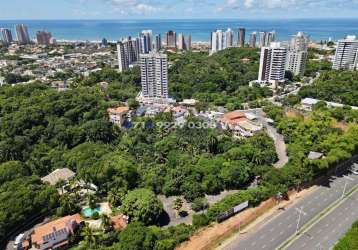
column 300, row 213
column 345, row 184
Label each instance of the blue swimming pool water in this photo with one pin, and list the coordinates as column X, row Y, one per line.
column 88, row 212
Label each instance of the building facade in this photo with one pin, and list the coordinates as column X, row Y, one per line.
column 252, row 41
column 228, row 38
column 22, row 34
column 43, row 37
column 262, row 39
column 297, row 54
column 6, row 36
column 171, row 38
column 189, row 42
column 272, row 63
column 158, row 42
column 128, row 53
column 241, row 37
column 154, row 75
column 346, row 57
column 145, row 41
column 181, row 42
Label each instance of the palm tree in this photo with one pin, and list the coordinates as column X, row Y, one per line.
column 105, row 221
column 91, row 201
column 114, row 199
column 89, row 238
column 61, row 184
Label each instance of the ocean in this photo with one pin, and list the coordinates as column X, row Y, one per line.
column 95, row 30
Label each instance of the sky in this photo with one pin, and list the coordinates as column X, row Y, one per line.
column 175, row 9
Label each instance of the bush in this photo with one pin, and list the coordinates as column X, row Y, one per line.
column 227, row 203
column 199, row 204
column 200, row 220
column 95, row 216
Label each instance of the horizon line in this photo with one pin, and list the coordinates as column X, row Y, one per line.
column 187, row 18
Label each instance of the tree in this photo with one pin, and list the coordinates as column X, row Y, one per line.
column 142, row 205
column 177, row 204
column 105, row 221
column 199, row 204
column 91, row 201
column 89, row 238
column 136, row 236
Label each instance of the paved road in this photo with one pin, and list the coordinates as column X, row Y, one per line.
column 276, row 230
column 278, row 139
column 331, row 228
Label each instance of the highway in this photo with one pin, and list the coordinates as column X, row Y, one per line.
column 273, row 232
column 330, row 229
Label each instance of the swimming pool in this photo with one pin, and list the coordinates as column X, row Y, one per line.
column 88, row 212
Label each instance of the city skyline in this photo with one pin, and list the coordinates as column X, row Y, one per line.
column 160, row 9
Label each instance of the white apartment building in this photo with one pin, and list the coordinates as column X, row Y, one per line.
column 346, row 54
column 252, row 41
column 272, row 63
column 262, row 39
column 297, row 54
column 154, row 75
column 128, row 53
column 229, row 38
column 145, row 38
column 221, row 40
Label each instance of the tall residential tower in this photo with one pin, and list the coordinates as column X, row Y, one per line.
column 22, row 33
column 241, row 37
column 6, row 36
column 154, row 75
column 346, row 54
column 272, row 63
column 297, row 54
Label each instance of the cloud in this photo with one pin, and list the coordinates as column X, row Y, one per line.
column 129, row 7
column 249, row 3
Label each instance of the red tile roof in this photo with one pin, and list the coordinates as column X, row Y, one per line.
column 48, row 228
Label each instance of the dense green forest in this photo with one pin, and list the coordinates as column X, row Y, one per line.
column 335, row 86
column 46, row 129
column 349, row 240
column 220, row 79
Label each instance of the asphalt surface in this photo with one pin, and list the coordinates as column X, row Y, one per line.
column 278, row 139
column 331, row 228
column 280, row 227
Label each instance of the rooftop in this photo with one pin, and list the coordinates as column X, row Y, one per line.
column 314, row 155
column 58, row 175
column 65, row 223
column 118, row 110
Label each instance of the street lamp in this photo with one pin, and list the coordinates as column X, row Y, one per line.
column 300, row 213
column 345, row 184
